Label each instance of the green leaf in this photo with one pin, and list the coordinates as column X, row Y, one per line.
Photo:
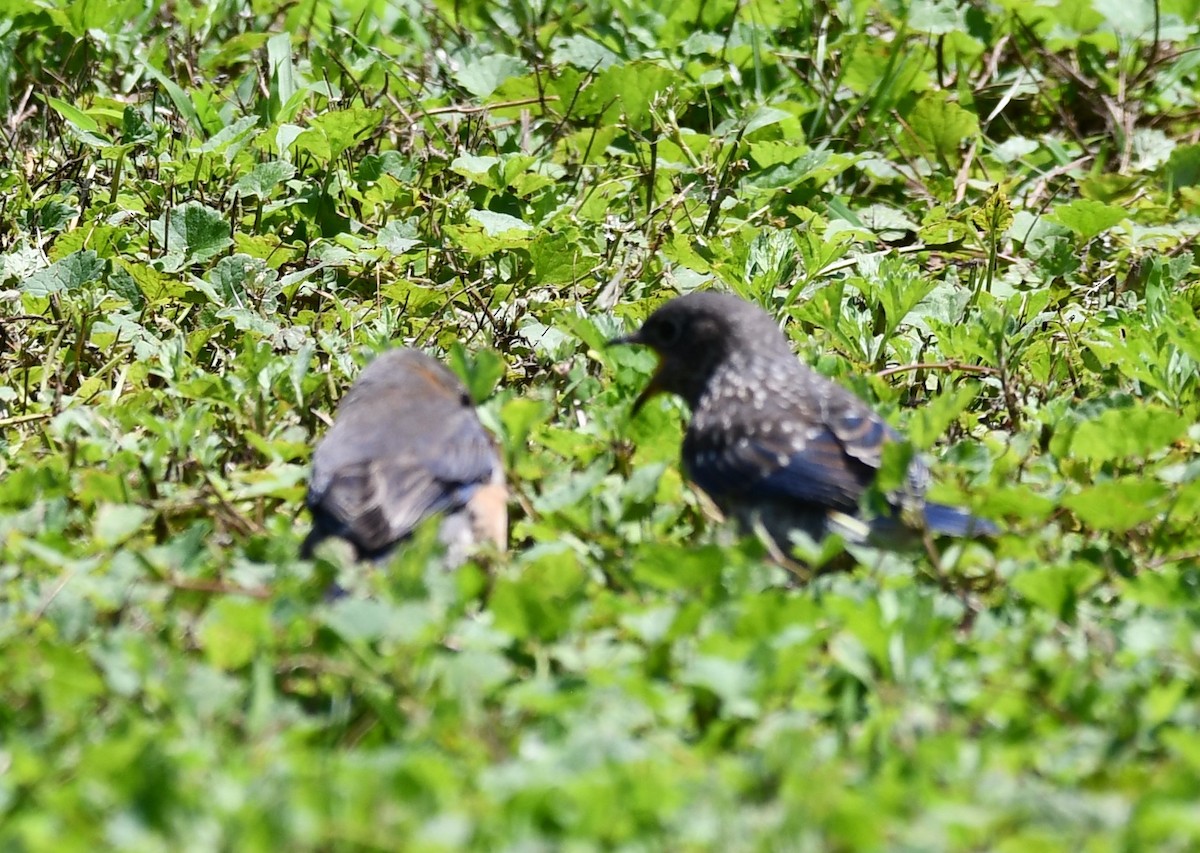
column 233, row 631
column 731, row 681
column 1088, row 218
column 931, row 420
column 331, row 134
column 1057, row 589
column 71, row 273
column 497, row 224
column 484, row 171
column 936, row 17
column 480, row 373
column 190, row 233
column 86, row 127
column 1117, row 505
column 776, row 152
column 557, row 258
column 486, row 232
column 358, row 621
column 396, row 237
column 114, row 523
column 943, row 125
column 1131, row 432
column 629, row 88
column 264, row 177
column 537, row 604
column 584, row 53
column 1182, row 168
column 484, row 75
column 280, row 73
column 183, row 103
column 670, row 566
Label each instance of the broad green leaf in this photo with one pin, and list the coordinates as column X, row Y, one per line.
column 482, row 170
column 1183, row 167
column 117, row 522
column 936, row 17
column 71, row 273
column 557, row 258
column 233, row 631
column 487, row 232
column 1132, row 432
column 536, row 603
column 767, row 154
column 398, row 237
column 931, row 420
column 631, row 88
column 668, row 566
column 485, row 74
column 942, row 125
column 1057, row 589
column 263, row 178
column 479, row 372
column 190, row 233
column 496, row 224
column 732, row 681
column 331, row 134
column 1118, row 505
column 584, row 53
column 1088, row 218
column 356, row 620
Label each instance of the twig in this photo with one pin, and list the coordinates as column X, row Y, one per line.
column 14, row 317
column 24, row 419
column 259, row 592
column 520, row 102
column 938, row 365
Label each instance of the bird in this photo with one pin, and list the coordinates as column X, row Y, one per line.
column 406, row 444
column 774, row 444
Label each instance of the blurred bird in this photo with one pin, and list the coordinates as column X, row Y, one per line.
column 777, row 446
column 407, row 444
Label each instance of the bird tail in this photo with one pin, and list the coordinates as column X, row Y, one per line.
column 310, row 542
column 952, row 521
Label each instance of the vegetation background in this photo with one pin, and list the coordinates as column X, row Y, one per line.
column 980, row 216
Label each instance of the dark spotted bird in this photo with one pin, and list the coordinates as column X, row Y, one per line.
column 777, row 446
column 406, row 445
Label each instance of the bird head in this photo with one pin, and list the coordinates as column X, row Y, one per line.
column 694, row 335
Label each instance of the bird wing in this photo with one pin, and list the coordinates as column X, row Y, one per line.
column 377, row 501
column 465, row 455
column 813, row 466
column 809, row 441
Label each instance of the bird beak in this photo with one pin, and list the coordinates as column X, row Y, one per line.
column 621, row 340
column 654, row 388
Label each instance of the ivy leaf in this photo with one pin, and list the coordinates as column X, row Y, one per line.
column 485, row 75
column 71, row 273
column 264, row 177
column 331, row 134
column 190, row 233
column 942, row 125
column 1088, row 218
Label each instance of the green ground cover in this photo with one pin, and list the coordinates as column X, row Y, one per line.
column 981, row 217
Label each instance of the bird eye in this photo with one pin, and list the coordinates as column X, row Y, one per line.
column 667, row 332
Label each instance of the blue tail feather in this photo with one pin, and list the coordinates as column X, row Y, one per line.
column 952, row 521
